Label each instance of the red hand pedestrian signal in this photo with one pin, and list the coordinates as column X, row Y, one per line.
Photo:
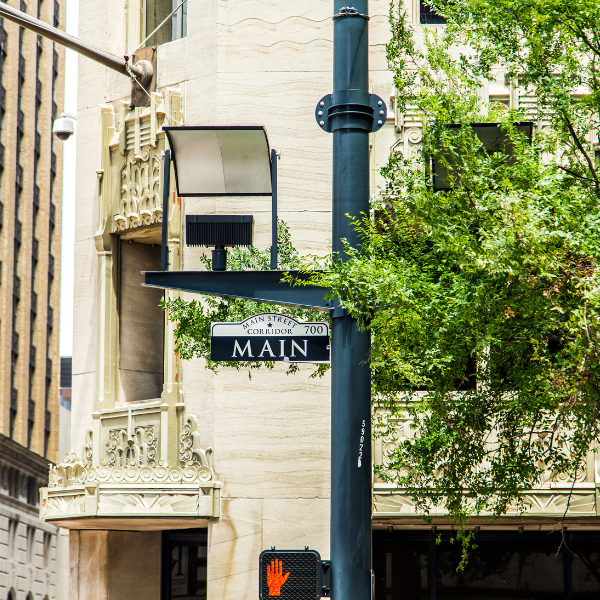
column 275, row 577
column 291, row 574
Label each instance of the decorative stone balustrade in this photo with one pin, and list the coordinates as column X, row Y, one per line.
column 131, row 480
column 391, row 504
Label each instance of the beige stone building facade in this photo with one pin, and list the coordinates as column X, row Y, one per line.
column 31, row 97
column 179, row 477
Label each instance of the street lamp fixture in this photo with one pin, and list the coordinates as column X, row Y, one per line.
column 220, row 161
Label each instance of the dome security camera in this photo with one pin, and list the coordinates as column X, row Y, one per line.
column 63, row 128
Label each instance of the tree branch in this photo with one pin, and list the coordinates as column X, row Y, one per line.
column 581, row 148
column 576, row 174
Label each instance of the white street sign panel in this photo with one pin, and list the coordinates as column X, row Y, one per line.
column 270, row 337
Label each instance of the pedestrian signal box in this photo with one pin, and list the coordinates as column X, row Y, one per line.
column 290, row 575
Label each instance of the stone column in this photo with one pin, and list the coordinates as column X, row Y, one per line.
column 119, row 565
column 88, row 558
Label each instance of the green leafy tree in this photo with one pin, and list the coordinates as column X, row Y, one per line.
column 489, row 292
column 483, row 300
column 194, row 317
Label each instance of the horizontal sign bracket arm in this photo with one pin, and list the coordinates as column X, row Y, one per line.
column 259, row 286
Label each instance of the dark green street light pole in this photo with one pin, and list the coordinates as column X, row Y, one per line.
column 350, row 120
column 350, row 113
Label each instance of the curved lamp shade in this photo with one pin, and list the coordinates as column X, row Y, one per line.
column 220, row 161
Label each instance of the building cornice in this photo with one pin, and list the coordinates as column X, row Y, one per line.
column 23, row 458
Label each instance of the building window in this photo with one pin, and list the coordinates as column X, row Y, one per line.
column 47, row 422
column 428, row 14
column 30, row 415
column 33, row 491
column 179, row 24
column 13, row 482
column 47, row 547
column 30, row 543
column 500, row 565
column 13, row 527
column 141, row 339
column 184, row 564
column 156, row 12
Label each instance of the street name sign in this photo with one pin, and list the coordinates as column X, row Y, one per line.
column 270, row 337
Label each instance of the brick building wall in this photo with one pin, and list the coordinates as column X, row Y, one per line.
column 31, row 97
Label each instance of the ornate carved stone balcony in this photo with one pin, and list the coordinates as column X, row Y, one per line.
column 124, row 476
column 547, row 502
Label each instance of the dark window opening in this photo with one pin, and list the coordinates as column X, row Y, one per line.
column 511, row 364
column 412, row 566
column 14, row 477
column 33, row 491
column 30, row 420
column 141, row 324
column 47, row 423
column 47, row 548
column 13, row 412
column 460, row 376
column 428, row 14
column 156, row 12
column 66, row 371
column 184, row 564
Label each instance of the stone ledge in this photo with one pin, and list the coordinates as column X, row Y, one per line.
column 76, row 472
column 549, row 502
column 132, row 523
column 109, row 500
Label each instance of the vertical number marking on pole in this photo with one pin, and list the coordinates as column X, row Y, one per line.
column 362, row 442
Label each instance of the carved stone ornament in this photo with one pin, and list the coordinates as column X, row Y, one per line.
column 132, row 481
column 141, row 201
column 138, row 450
column 190, row 452
column 87, row 447
column 130, row 192
column 133, row 460
column 75, row 472
column 69, row 471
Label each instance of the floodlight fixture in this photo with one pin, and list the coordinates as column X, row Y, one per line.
column 220, row 161
column 233, row 160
